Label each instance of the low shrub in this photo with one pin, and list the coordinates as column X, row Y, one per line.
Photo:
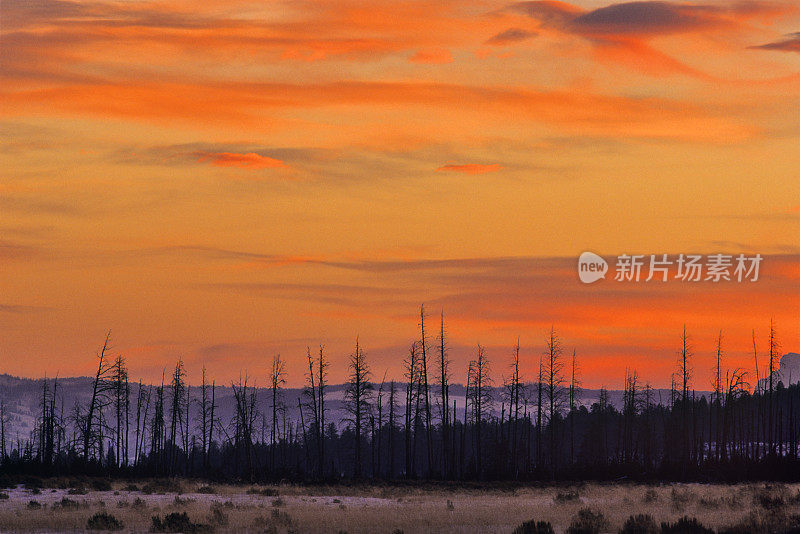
column 640, row 524
column 588, row 521
column 181, row 502
column 534, row 527
column 266, row 492
column 208, row 490
column 101, row 484
column 771, row 496
column 77, row 491
column 162, row 486
column 3, row 495
column 177, row 522
column 34, row 505
column 685, row 525
column 69, row 504
column 567, row 497
column 103, row 521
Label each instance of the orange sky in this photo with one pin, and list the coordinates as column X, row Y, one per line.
column 227, row 180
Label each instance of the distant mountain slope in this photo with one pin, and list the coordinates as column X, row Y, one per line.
column 22, row 400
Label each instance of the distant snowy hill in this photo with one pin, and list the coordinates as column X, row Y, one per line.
column 21, row 397
column 788, row 371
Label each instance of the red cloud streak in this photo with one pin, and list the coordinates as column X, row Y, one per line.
column 250, row 160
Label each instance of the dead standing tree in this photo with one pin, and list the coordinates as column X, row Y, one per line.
column 553, row 371
column 423, row 343
column 685, row 374
column 315, row 390
column 774, row 349
column 513, row 389
column 481, row 400
column 245, row 418
column 412, row 399
column 574, row 393
column 444, row 393
column 277, row 379
column 177, row 389
column 100, row 386
column 357, row 395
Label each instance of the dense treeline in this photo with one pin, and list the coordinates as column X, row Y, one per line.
column 527, row 428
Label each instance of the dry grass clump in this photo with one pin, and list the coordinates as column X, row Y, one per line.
column 569, row 496
column 650, row 496
column 162, row 486
column 681, row 498
column 69, row 504
column 266, row 492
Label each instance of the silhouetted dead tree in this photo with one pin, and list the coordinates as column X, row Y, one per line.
column 423, row 344
column 277, row 379
column 773, row 355
column 574, row 394
column 553, row 372
column 245, row 418
column 100, row 386
column 412, row 400
column 444, row 398
column 480, row 382
column 357, row 400
column 177, row 390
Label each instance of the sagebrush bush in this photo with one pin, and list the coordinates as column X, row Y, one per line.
column 177, row 522
column 588, row 521
column 101, row 484
column 103, row 521
column 640, row 524
column 567, row 497
column 534, row 527
column 685, row 525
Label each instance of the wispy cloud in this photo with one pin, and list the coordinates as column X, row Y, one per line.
column 510, row 36
column 250, row 160
column 791, row 44
column 470, row 168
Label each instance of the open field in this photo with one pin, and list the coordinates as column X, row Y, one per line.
column 361, row 509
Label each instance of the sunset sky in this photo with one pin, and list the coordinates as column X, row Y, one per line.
column 226, row 180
